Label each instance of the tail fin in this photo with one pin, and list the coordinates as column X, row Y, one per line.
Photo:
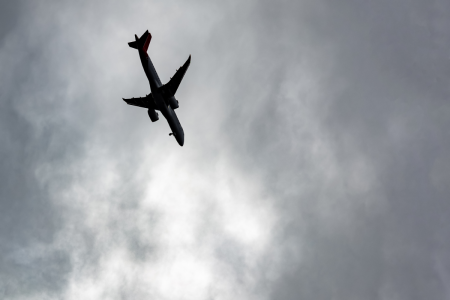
column 142, row 42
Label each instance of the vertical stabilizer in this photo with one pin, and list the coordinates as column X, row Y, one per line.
column 141, row 43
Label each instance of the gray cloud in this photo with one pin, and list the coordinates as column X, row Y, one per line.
column 380, row 111
column 318, row 171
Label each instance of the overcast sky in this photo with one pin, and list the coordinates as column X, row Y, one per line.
column 316, row 162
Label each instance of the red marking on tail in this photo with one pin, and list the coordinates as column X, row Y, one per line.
column 147, row 42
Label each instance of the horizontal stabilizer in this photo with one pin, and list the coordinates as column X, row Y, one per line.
column 145, row 102
column 134, row 45
column 142, row 42
column 175, row 81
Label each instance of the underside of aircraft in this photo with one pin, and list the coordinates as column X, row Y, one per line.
column 162, row 96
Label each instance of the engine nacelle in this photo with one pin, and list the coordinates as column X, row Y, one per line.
column 173, row 103
column 153, row 115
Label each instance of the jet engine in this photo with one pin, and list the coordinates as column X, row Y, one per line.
column 173, row 103
column 153, row 115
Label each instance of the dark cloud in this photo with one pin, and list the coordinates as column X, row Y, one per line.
column 319, row 171
column 381, row 107
column 29, row 219
column 9, row 17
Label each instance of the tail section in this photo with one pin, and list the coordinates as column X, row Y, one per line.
column 142, row 42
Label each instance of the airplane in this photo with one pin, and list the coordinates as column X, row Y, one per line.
column 162, row 96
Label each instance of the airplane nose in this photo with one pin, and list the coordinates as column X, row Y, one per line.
column 180, row 139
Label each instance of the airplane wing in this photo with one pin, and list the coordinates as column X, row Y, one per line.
column 145, row 102
column 175, row 81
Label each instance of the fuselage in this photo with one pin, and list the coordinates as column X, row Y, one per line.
column 161, row 98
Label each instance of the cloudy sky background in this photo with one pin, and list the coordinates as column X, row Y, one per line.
column 316, row 162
